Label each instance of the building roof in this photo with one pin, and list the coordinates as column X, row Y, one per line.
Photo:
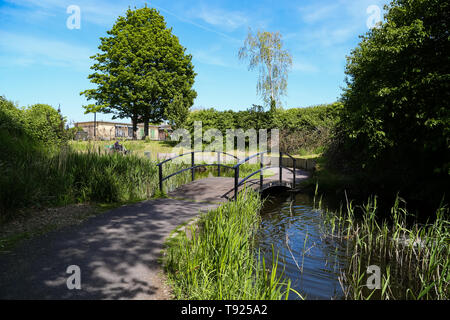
column 111, row 123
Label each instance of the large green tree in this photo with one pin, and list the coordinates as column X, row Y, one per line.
column 141, row 69
column 395, row 126
column 265, row 51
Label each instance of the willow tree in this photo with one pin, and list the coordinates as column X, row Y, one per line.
column 265, row 51
column 141, row 70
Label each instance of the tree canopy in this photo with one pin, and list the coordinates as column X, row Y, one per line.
column 141, row 70
column 265, row 50
column 395, row 126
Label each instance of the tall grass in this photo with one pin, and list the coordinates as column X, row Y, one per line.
column 414, row 258
column 64, row 176
column 136, row 147
column 217, row 261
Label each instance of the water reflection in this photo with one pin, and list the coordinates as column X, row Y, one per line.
column 310, row 259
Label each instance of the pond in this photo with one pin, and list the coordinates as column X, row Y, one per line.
column 310, row 259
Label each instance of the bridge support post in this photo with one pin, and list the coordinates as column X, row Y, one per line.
column 236, row 182
column 281, row 168
column 192, row 165
column 218, row 164
column 293, row 173
column 160, row 178
column 261, row 177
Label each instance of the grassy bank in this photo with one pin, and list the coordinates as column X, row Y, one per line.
column 414, row 258
column 217, row 261
column 137, row 148
column 40, row 179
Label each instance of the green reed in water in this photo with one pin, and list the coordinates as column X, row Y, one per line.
column 414, row 258
column 217, row 260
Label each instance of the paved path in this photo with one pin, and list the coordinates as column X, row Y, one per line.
column 117, row 251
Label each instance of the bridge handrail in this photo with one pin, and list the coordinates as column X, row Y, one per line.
column 237, row 184
column 188, row 153
column 240, row 163
column 236, row 167
column 260, row 170
column 195, row 167
column 285, row 153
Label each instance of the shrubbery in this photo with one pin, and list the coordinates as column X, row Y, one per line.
column 39, row 123
column 302, row 129
column 395, row 128
column 39, row 169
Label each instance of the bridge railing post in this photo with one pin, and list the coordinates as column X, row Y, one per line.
column 236, row 182
column 281, row 167
column 293, row 172
column 192, row 165
column 218, row 164
column 160, row 178
column 261, row 175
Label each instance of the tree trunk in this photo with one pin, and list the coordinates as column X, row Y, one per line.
column 146, row 120
column 273, row 105
column 134, row 121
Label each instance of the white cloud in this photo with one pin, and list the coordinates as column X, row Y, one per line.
column 317, row 13
column 303, row 67
column 25, row 50
column 101, row 12
column 183, row 19
column 226, row 20
column 211, row 56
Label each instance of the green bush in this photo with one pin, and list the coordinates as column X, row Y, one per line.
column 302, row 129
column 39, row 123
column 44, row 124
column 39, row 169
column 395, row 126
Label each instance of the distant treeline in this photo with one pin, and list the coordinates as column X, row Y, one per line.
column 302, row 130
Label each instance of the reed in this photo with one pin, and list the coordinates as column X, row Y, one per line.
column 65, row 176
column 414, row 257
column 217, row 260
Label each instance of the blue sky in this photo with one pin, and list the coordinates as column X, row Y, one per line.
column 43, row 61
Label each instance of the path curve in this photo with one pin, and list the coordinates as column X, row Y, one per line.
column 117, row 253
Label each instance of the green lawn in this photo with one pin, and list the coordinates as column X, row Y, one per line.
column 140, row 147
column 137, row 148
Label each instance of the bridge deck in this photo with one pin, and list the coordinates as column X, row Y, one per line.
column 220, row 189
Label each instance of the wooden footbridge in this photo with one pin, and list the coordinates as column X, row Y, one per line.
column 220, row 189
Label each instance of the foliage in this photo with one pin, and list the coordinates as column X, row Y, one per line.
column 177, row 112
column 141, row 69
column 39, row 169
column 395, row 127
column 44, row 124
column 72, row 132
column 38, row 124
column 306, row 129
column 265, row 50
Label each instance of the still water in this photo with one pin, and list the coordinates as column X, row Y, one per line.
column 310, row 258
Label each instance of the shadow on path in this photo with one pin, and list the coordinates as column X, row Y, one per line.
column 117, row 253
